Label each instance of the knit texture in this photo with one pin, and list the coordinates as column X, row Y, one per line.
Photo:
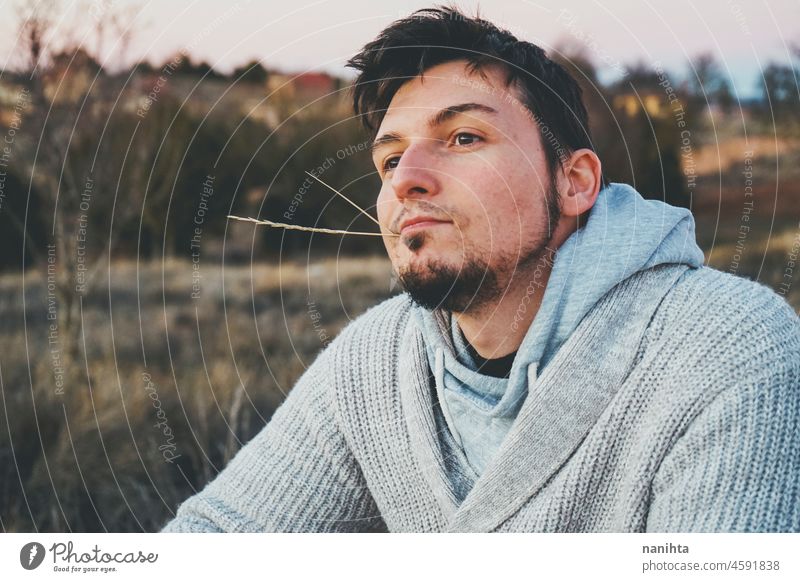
column 673, row 406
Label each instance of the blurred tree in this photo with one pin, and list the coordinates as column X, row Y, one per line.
column 20, row 239
column 575, row 58
column 204, row 69
column 780, row 91
column 141, row 68
column 640, row 141
column 186, row 66
column 707, row 84
column 253, row 72
column 63, row 151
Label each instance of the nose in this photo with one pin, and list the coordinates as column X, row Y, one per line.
column 414, row 176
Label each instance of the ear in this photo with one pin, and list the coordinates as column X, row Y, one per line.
column 581, row 181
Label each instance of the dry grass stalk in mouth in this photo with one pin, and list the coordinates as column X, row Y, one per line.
column 320, row 230
column 306, row 228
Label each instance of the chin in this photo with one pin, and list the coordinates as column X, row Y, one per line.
column 457, row 287
column 428, row 264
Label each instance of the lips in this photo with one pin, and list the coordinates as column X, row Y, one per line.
column 418, row 222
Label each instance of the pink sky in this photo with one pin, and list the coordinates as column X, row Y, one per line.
column 322, row 34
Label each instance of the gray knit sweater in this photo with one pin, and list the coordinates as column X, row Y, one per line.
column 673, row 406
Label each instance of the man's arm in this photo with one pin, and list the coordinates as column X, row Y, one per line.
column 297, row 474
column 737, row 466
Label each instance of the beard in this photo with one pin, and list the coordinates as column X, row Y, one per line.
column 474, row 283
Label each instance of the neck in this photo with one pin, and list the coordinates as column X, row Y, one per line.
column 497, row 328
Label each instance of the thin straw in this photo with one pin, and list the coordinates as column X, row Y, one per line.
column 361, row 210
column 306, row 228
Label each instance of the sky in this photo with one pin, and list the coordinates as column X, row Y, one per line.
column 322, row 34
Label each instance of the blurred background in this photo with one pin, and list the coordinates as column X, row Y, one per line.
column 145, row 337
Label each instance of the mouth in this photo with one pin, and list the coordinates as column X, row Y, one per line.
column 419, row 223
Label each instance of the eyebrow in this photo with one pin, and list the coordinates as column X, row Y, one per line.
column 438, row 118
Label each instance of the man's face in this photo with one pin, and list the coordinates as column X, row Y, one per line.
column 465, row 184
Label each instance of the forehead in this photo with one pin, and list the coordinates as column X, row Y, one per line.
column 451, row 83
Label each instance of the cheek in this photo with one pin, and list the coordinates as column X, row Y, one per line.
column 501, row 222
column 384, row 207
column 494, row 212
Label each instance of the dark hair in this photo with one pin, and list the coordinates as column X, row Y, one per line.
column 432, row 36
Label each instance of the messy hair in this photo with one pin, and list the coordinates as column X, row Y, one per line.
column 433, row 36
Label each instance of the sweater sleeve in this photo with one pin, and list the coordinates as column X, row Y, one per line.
column 737, row 466
column 297, row 474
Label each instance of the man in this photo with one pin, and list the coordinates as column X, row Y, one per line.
column 561, row 359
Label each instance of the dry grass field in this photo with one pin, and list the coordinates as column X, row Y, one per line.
column 170, row 387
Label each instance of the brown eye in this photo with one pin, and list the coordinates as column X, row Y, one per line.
column 391, row 163
column 466, row 139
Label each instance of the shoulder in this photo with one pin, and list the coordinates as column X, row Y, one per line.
column 723, row 354
column 717, row 335
column 723, row 316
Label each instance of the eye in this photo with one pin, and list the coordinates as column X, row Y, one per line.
column 390, row 163
column 464, row 138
